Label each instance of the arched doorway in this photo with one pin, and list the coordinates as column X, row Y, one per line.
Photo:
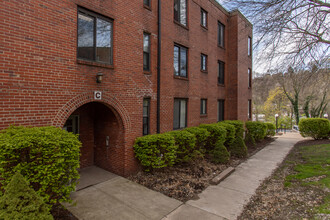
column 101, row 131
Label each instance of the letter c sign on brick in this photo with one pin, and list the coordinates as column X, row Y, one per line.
column 97, row 95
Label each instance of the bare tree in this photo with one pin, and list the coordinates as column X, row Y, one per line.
column 288, row 32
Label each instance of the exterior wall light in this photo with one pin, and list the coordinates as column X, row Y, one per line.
column 99, row 77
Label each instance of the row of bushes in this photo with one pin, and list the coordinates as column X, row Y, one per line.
column 219, row 141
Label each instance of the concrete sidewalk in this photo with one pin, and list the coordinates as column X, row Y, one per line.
column 227, row 199
column 114, row 197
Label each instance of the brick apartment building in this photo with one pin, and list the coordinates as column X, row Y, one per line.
column 114, row 70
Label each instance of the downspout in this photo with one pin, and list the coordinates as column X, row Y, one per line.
column 159, row 44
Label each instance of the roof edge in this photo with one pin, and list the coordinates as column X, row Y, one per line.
column 239, row 13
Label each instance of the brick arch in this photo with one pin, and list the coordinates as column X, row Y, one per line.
column 110, row 101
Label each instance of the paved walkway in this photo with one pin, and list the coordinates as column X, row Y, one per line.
column 227, row 199
column 119, row 198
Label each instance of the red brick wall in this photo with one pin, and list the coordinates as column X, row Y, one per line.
column 42, row 82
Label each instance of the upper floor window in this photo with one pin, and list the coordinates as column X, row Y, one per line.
column 146, row 3
column 249, row 46
column 221, row 34
column 180, row 11
column 180, row 113
column 180, row 61
column 250, row 77
column 203, row 106
column 203, row 62
column 94, row 37
column 221, row 72
column 146, row 51
column 203, row 18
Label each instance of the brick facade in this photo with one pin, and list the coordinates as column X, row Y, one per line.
column 42, row 82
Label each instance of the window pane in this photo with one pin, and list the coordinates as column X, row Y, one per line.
column 146, row 2
column 85, row 37
column 146, row 42
column 176, row 60
column 176, row 114
column 183, row 62
column 203, row 62
column 249, row 46
column 183, row 12
column 103, row 41
column 221, row 35
column 145, row 61
column 221, row 111
column 183, row 113
column 203, row 18
column 221, row 78
column 176, row 10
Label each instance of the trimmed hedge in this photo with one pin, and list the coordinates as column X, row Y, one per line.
column 155, row 151
column 219, row 154
column 270, row 129
column 239, row 127
column 238, row 148
column 20, row 201
column 256, row 129
column 186, row 146
column 317, row 128
column 201, row 135
column 249, row 140
column 47, row 157
column 217, row 135
column 230, row 133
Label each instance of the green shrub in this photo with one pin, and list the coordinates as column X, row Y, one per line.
column 270, row 129
column 219, row 154
column 317, row 128
column 238, row 148
column 186, row 146
column 201, row 135
column 47, row 157
column 249, row 140
column 256, row 129
column 217, row 134
column 20, row 201
column 155, row 151
column 239, row 127
column 230, row 133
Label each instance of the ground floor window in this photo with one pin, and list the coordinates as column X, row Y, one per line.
column 221, row 110
column 72, row 124
column 146, row 116
column 180, row 113
column 249, row 109
column 203, row 106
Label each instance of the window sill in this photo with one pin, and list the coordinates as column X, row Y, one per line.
column 147, row 7
column 181, row 77
column 204, row 27
column 181, row 25
column 147, row 72
column 92, row 63
column 203, row 115
column 221, row 85
column 221, row 47
column 204, row 71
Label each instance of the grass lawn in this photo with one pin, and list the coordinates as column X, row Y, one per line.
column 298, row 189
column 314, row 170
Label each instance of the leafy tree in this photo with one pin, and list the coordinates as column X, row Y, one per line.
column 277, row 102
column 288, row 32
column 21, row 202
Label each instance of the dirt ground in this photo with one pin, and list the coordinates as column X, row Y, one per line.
column 275, row 201
column 185, row 181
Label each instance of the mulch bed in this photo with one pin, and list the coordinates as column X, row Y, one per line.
column 60, row 213
column 184, row 181
column 274, row 201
